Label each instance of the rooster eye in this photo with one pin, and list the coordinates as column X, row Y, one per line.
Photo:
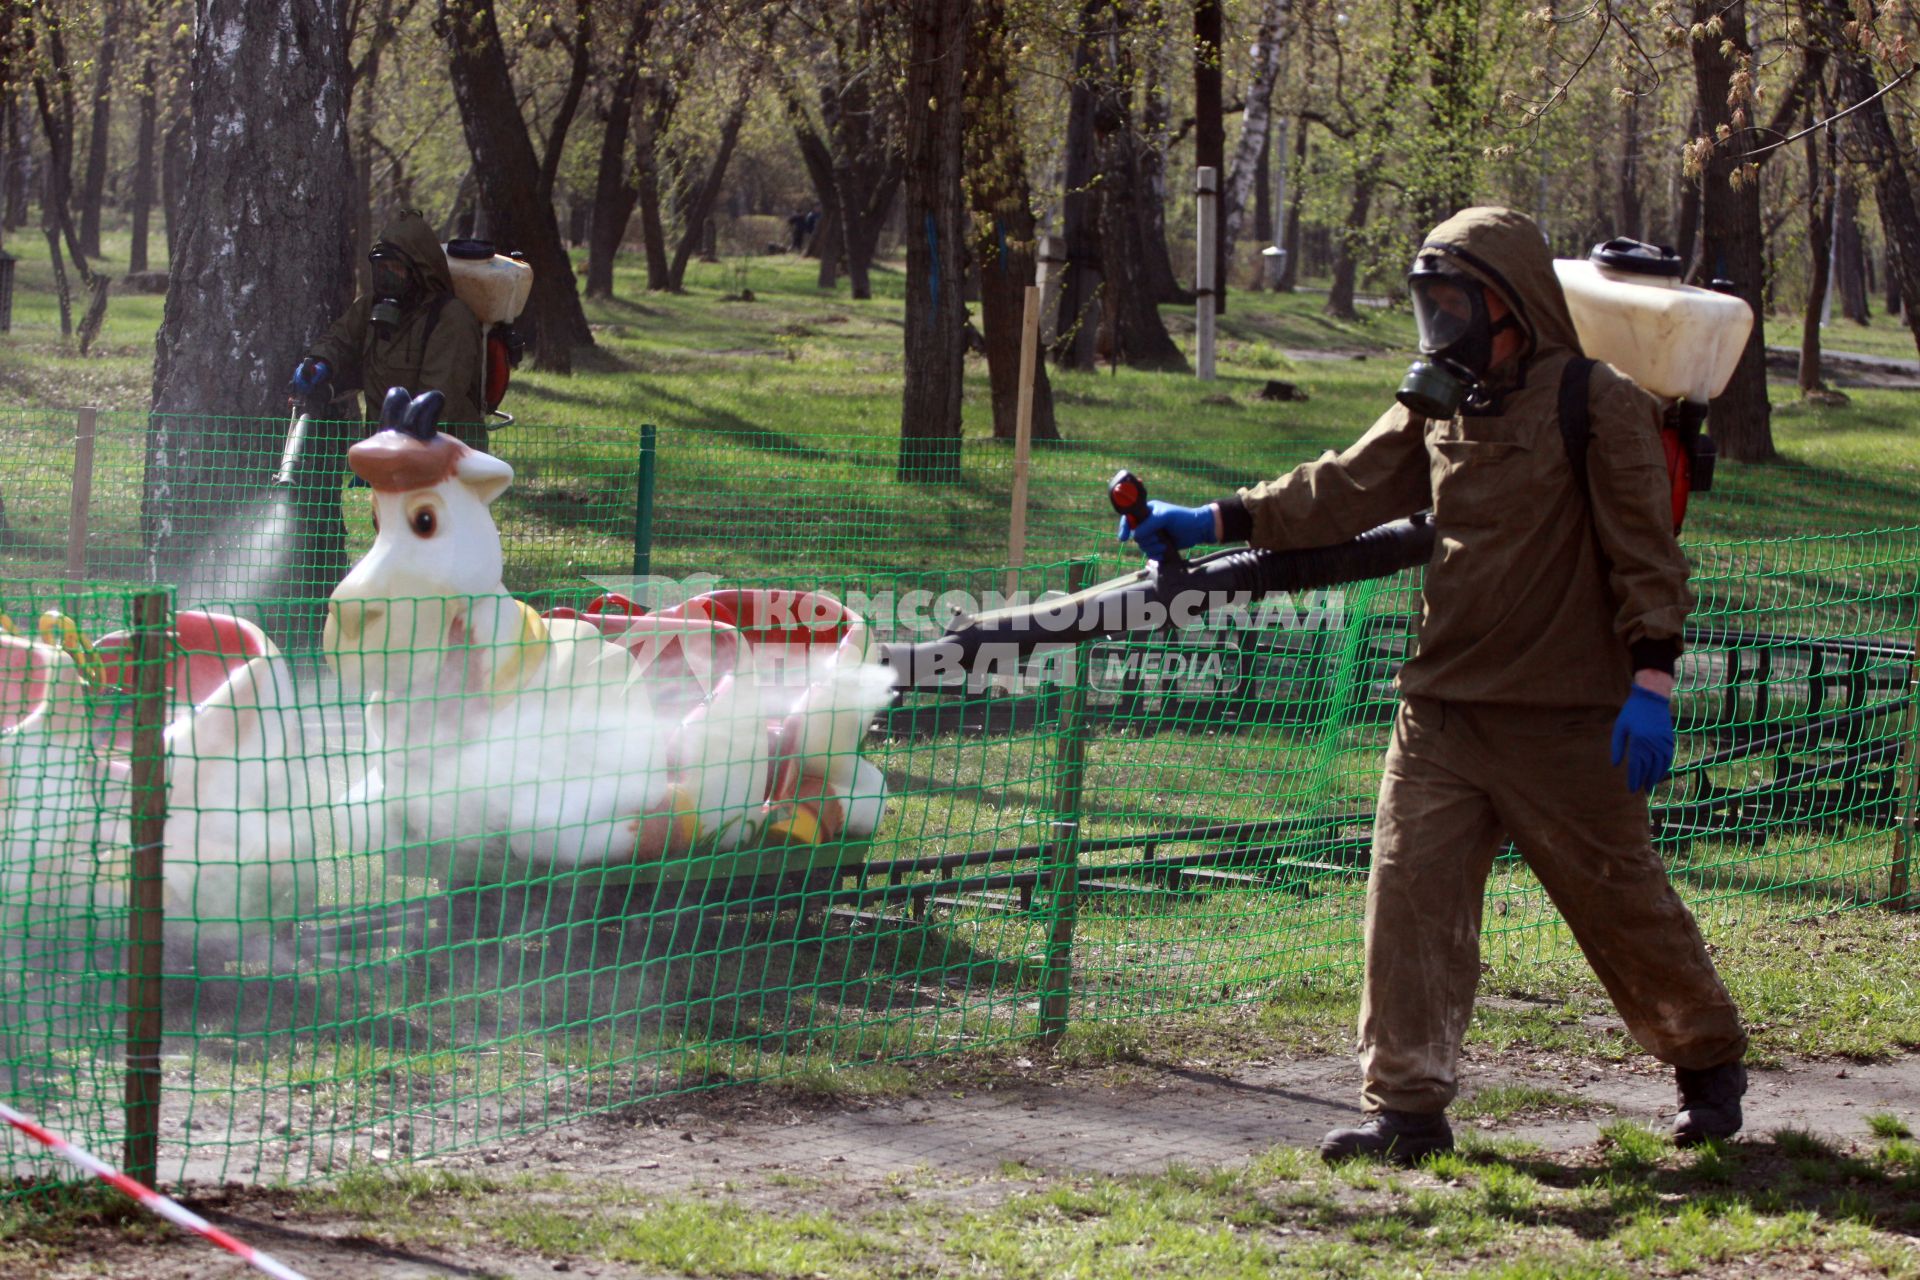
column 423, row 522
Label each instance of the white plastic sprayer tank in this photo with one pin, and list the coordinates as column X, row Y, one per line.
column 493, row 285
column 1631, row 310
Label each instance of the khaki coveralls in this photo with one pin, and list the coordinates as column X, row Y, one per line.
column 1540, row 602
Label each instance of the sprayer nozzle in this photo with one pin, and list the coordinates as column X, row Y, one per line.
column 290, row 452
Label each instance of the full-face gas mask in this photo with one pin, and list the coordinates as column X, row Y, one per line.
column 394, row 287
column 1456, row 339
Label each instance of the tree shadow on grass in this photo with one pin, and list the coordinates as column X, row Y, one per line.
column 1635, row 1176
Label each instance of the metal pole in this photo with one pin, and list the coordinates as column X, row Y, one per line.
column 85, row 426
column 643, row 505
column 146, row 904
column 1206, row 185
column 1060, row 860
column 1023, row 438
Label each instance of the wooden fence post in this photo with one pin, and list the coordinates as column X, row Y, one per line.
column 1023, row 438
column 1906, row 812
column 146, row 904
column 1060, row 863
column 85, row 426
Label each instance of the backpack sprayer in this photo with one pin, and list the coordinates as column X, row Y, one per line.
column 495, row 287
column 1679, row 342
column 1174, row 591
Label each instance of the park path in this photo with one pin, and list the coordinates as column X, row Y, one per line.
column 959, row 1135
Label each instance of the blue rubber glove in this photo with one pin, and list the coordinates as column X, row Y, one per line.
column 1170, row 528
column 308, row 377
column 1643, row 737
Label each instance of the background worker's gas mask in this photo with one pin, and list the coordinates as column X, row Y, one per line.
column 394, row 288
column 1456, row 339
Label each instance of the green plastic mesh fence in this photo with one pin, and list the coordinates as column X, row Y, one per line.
column 67, row 753
column 474, row 867
column 269, row 516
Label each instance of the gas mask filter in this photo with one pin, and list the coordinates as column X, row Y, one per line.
column 393, row 288
column 1456, row 341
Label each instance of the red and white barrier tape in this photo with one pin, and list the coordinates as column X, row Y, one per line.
column 178, row 1214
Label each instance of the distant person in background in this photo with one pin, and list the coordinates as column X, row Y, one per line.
column 796, row 232
column 409, row 331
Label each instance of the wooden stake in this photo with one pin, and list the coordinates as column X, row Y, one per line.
column 1900, row 896
column 1023, row 437
column 82, row 497
column 1060, row 860
column 145, row 901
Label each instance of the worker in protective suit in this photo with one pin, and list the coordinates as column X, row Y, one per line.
column 409, row 331
column 1536, row 707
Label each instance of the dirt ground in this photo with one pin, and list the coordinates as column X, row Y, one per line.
column 965, row 1131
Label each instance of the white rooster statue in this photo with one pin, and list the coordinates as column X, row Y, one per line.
column 508, row 748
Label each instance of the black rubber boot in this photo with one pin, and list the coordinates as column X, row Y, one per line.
column 1709, row 1103
column 1400, row 1136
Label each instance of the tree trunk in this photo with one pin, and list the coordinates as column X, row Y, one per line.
column 1249, row 171
column 569, row 106
column 1732, row 245
column 828, row 245
column 1850, row 252
column 1875, row 145
column 1346, row 263
column 176, row 153
column 1893, row 281
column 508, row 175
column 863, row 216
column 260, row 269
column 1263, row 189
column 1210, row 133
column 1820, row 203
column 1448, row 31
column 143, row 170
column 706, row 195
column 1156, row 127
column 653, row 230
column 614, row 189
column 1629, row 217
column 1686, row 230
column 1132, row 330
column 996, row 168
column 57, row 123
column 93, row 185
column 818, row 159
column 935, row 345
column 1296, row 195
column 19, row 164
column 1078, row 326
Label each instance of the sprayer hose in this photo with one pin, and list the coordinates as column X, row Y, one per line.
column 1148, row 598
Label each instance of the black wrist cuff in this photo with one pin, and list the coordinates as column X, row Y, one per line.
column 1656, row 655
column 1236, row 522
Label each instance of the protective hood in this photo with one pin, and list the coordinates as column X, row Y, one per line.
column 413, row 237
column 1504, row 249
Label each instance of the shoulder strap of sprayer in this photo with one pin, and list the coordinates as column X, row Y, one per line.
column 1576, row 422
